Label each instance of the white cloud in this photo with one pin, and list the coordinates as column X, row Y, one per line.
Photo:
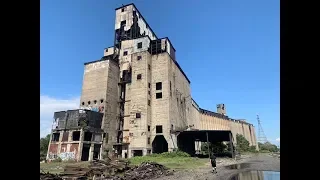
column 49, row 105
column 278, row 139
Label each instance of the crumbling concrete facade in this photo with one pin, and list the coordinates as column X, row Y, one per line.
column 143, row 95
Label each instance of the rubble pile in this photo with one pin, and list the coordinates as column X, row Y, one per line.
column 110, row 170
column 49, row 176
column 147, row 170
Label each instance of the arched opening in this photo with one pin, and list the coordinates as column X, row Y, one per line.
column 159, row 144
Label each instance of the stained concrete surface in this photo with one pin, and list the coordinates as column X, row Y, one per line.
column 262, row 162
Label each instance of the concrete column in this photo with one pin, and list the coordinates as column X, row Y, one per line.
column 59, row 142
column 80, row 145
column 144, row 152
column 231, row 144
column 91, row 152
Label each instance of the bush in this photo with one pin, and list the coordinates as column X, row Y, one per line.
column 242, row 143
column 58, row 159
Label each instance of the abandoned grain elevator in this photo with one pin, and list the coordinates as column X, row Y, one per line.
column 136, row 100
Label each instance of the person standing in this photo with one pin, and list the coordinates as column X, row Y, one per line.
column 213, row 162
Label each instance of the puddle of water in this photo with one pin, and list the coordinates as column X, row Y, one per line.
column 257, row 175
column 238, row 166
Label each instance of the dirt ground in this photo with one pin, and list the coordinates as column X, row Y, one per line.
column 264, row 162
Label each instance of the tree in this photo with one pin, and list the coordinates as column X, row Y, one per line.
column 268, row 147
column 44, row 143
column 242, row 143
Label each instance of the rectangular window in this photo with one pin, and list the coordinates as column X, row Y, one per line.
column 76, row 136
column 125, row 53
column 55, row 137
column 158, row 129
column 139, row 76
column 139, row 58
column 149, row 67
column 158, row 95
column 148, row 128
column 139, row 45
column 149, row 85
column 123, row 23
column 138, row 115
column 149, row 102
column 122, row 10
column 148, row 140
column 158, row 85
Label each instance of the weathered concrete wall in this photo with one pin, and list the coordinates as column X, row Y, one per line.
column 100, row 89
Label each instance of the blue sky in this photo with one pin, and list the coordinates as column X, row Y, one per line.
column 230, row 50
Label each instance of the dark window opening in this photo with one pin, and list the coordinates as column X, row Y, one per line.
column 149, row 102
column 85, row 152
column 148, row 151
column 101, row 100
column 89, row 102
column 158, row 95
column 134, row 13
column 149, row 85
column 82, row 103
column 123, row 23
column 158, row 85
column 148, row 128
column 122, row 10
column 138, row 115
column 125, row 53
column 139, row 45
column 171, row 126
column 170, row 85
column 139, row 76
column 87, row 136
column 65, row 136
column 149, row 67
column 106, row 50
column 76, row 136
column 95, row 101
column 55, row 137
column 158, row 129
column 139, row 57
column 149, row 92
column 148, row 140
column 96, row 151
column 137, row 153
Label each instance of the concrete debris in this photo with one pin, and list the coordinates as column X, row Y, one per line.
column 111, row 170
column 49, row 176
column 147, row 170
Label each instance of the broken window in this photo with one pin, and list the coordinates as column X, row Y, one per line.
column 65, row 136
column 55, row 137
column 159, row 95
column 123, row 23
column 87, row 136
column 149, row 85
column 76, row 136
column 138, row 115
column 139, row 58
column 158, row 129
column 139, row 76
column 149, row 102
column 139, row 45
column 148, row 128
column 148, row 140
column 125, row 53
column 158, row 85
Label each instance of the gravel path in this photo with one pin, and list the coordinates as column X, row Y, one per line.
column 255, row 162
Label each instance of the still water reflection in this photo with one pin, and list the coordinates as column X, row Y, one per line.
column 257, row 175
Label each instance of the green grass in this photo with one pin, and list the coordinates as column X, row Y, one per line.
column 174, row 160
column 57, row 167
